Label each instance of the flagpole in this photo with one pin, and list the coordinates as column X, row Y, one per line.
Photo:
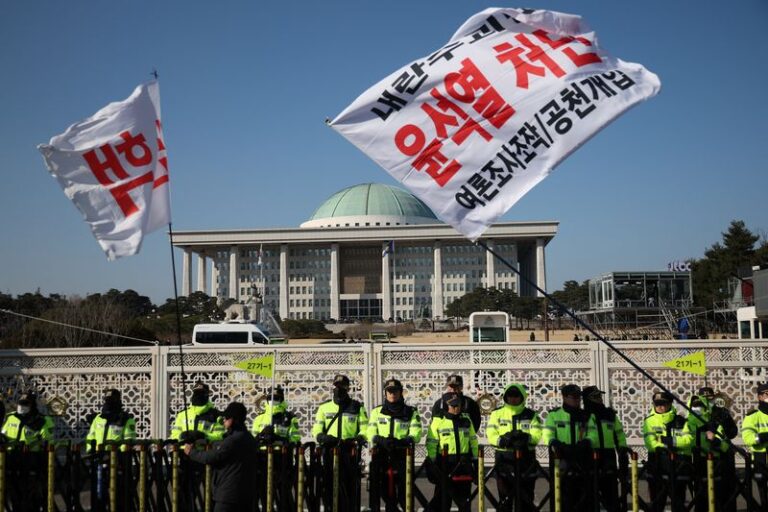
column 178, row 326
column 272, row 391
column 588, row 327
column 394, row 287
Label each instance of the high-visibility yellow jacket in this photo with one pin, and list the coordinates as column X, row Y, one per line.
column 32, row 430
column 121, row 428
column 350, row 422
column 284, row 422
column 754, row 424
column 514, row 418
column 565, row 427
column 658, row 426
column 383, row 424
column 454, row 433
column 201, row 418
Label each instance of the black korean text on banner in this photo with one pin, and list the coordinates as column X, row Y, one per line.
column 472, row 127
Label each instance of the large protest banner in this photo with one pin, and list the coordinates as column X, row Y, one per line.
column 472, row 127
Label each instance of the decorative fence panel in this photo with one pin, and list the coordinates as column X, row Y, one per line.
column 70, row 382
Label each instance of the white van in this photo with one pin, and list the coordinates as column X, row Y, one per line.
column 229, row 333
column 489, row 326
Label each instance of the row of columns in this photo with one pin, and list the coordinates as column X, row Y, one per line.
column 386, row 272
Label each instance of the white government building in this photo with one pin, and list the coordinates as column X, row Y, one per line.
column 333, row 265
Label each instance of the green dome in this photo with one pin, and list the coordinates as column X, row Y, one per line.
column 372, row 203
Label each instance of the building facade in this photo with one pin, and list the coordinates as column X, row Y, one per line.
column 370, row 251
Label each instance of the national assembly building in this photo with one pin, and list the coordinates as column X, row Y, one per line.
column 369, row 252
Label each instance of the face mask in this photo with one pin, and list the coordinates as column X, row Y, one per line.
column 199, row 399
column 340, row 394
column 697, row 410
column 23, row 409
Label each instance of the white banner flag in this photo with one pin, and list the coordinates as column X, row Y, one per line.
column 113, row 166
column 472, row 127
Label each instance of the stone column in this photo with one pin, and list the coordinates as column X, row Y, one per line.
column 490, row 265
column 215, row 279
column 284, row 310
column 335, row 292
column 386, row 283
column 202, row 273
column 541, row 269
column 234, row 271
column 437, row 281
column 186, row 272
column 514, row 261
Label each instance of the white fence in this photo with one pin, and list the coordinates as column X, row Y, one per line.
column 70, row 382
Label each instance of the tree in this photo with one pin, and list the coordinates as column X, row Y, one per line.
column 575, row 296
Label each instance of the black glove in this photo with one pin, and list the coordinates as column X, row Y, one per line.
column 378, row 441
column 326, row 441
column 762, row 437
column 556, row 445
column 269, row 429
column 431, row 469
column 361, row 440
column 715, row 442
column 623, row 454
column 662, row 453
column 191, row 436
column 506, row 440
column 266, row 437
column 520, row 440
column 404, row 442
column 668, row 441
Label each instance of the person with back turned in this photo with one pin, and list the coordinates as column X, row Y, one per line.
column 233, row 461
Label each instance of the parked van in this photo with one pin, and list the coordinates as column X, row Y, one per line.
column 489, row 326
column 230, row 333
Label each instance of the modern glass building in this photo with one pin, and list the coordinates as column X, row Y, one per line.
column 370, row 251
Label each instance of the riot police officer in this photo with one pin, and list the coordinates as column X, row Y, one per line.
column 277, row 427
column 27, row 431
column 340, row 423
column 392, row 427
column 706, row 438
column 452, row 456
column 721, row 417
column 455, row 384
column 606, row 434
column 566, row 434
column 112, row 423
column 514, row 430
column 754, row 431
column 664, row 434
column 201, row 420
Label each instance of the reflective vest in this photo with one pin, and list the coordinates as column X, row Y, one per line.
column 605, row 430
column 513, row 418
column 457, row 435
column 348, row 423
column 698, row 432
column 200, row 418
column 103, row 430
column 32, row 430
column 285, row 424
column 384, row 425
column 656, row 426
column 755, row 423
column 565, row 427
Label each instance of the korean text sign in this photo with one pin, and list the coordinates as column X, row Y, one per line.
column 113, row 167
column 472, row 127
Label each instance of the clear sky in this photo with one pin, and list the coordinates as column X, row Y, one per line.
column 246, row 86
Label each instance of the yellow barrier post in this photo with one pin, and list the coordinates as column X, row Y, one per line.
column 51, row 476
column 711, row 482
column 175, row 478
column 481, row 479
column 2, row 474
column 409, row 479
column 270, row 476
column 300, row 483
column 208, row 486
column 113, row 477
column 634, row 477
column 336, row 479
column 556, row 483
column 142, row 478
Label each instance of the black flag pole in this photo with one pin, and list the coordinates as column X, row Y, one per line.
column 178, row 327
column 582, row 323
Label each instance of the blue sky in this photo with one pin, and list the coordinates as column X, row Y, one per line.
column 246, row 86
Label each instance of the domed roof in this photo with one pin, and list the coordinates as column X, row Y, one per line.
column 371, row 204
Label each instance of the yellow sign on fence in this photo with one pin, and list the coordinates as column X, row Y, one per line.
column 264, row 366
column 692, row 363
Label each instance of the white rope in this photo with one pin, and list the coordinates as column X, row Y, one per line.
column 9, row 312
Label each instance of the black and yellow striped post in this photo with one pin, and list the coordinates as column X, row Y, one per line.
column 270, row 476
column 300, row 482
column 51, row 477
column 208, row 488
column 175, row 478
column 409, row 479
column 336, row 479
column 481, row 479
column 556, row 482
column 711, row 482
column 113, row 477
column 634, row 478
column 2, row 475
column 142, row 490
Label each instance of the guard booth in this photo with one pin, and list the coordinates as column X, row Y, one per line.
column 489, row 326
